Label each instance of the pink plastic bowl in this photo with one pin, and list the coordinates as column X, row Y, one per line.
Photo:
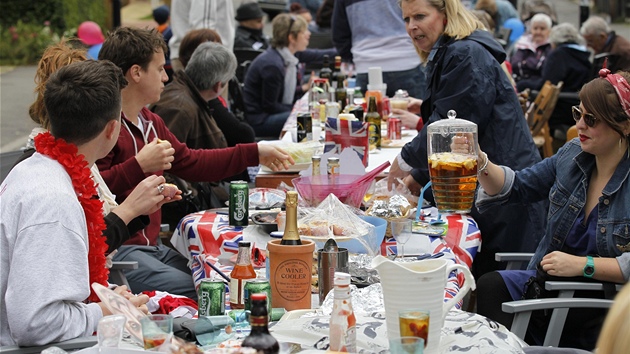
column 314, row 190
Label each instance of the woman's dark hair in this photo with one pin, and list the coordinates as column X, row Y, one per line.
column 193, row 39
column 600, row 98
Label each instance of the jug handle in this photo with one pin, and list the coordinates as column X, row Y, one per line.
column 469, row 284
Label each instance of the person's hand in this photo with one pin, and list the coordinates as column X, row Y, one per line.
column 145, row 199
column 138, row 301
column 562, row 264
column 414, row 105
column 411, row 184
column 307, row 86
column 274, row 158
column 395, row 172
column 156, row 156
column 408, row 119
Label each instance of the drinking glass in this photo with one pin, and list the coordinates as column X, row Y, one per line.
column 414, row 323
column 110, row 330
column 401, row 231
column 406, row 345
column 156, row 329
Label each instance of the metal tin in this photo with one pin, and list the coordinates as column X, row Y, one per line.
column 256, row 286
column 329, row 261
column 304, row 127
column 239, row 203
column 333, row 166
column 211, row 298
column 394, row 129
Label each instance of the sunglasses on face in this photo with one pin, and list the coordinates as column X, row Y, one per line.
column 589, row 118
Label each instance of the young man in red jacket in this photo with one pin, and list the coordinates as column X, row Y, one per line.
column 146, row 146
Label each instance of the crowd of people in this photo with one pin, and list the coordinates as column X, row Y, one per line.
column 90, row 185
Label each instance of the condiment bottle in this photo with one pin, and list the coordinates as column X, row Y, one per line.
column 259, row 338
column 343, row 335
column 291, row 235
column 374, row 120
column 243, row 271
column 316, row 164
column 333, row 166
column 325, row 72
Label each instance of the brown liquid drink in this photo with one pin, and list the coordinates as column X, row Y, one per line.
column 454, row 181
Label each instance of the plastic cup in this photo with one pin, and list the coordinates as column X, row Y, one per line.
column 406, row 345
column 156, row 330
column 414, row 323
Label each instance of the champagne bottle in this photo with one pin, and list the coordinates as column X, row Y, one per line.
column 259, row 338
column 291, row 235
column 340, row 93
column 336, row 74
column 374, row 120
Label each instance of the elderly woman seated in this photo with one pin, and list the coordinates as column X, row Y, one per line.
column 531, row 50
column 567, row 62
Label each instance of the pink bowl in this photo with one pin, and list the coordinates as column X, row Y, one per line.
column 315, row 189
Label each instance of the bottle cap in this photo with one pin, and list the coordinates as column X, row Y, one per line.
column 244, row 244
column 342, row 279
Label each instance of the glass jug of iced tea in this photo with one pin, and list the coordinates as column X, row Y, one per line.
column 452, row 153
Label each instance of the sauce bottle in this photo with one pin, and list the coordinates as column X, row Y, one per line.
column 243, row 270
column 259, row 338
column 374, row 120
column 343, row 334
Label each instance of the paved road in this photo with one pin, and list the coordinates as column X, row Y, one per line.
column 16, row 86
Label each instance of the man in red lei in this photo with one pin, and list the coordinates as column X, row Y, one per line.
column 51, row 220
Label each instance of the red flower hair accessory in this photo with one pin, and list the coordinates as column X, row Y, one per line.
column 621, row 86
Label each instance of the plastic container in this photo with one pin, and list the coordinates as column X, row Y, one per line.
column 352, row 244
column 314, row 189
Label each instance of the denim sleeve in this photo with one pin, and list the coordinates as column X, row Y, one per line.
column 485, row 201
column 624, row 264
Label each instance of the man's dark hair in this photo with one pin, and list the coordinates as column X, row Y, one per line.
column 81, row 98
column 127, row 46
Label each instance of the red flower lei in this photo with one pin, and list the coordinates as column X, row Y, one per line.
column 85, row 188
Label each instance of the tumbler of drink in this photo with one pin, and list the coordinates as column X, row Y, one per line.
column 400, row 103
column 414, row 323
column 156, row 329
column 406, row 345
column 454, row 180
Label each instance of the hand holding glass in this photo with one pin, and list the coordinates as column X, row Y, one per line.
column 401, row 230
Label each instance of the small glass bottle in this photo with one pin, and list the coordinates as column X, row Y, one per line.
column 316, row 164
column 374, row 120
column 291, row 235
column 343, row 335
column 243, row 270
column 259, row 338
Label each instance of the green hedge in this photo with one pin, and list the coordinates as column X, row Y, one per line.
column 27, row 27
column 63, row 15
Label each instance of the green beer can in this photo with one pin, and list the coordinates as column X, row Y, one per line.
column 211, row 298
column 239, row 203
column 256, row 286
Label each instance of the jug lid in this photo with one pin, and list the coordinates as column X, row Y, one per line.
column 452, row 125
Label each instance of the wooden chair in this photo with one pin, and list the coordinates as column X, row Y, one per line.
column 538, row 116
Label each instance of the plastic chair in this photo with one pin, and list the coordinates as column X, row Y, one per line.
column 572, row 133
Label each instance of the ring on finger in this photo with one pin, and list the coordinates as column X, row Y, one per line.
column 160, row 188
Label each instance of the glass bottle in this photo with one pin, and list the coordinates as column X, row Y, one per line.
column 332, row 166
column 316, row 164
column 243, row 270
column 318, row 96
column 291, row 235
column 259, row 338
column 336, row 74
column 374, row 120
column 343, row 335
column 325, row 72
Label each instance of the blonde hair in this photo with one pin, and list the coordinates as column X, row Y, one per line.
column 614, row 336
column 285, row 25
column 460, row 24
column 54, row 57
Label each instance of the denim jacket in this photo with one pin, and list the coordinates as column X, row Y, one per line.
column 564, row 178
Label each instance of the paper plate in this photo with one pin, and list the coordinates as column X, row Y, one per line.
column 118, row 305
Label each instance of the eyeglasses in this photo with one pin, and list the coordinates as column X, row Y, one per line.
column 589, row 118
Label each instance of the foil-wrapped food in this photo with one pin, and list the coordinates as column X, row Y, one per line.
column 395, row 206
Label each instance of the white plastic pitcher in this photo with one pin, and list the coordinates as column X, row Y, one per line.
column 419, row 285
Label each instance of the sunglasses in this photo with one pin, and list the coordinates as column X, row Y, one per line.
column 293, row 19
column 589, row 118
